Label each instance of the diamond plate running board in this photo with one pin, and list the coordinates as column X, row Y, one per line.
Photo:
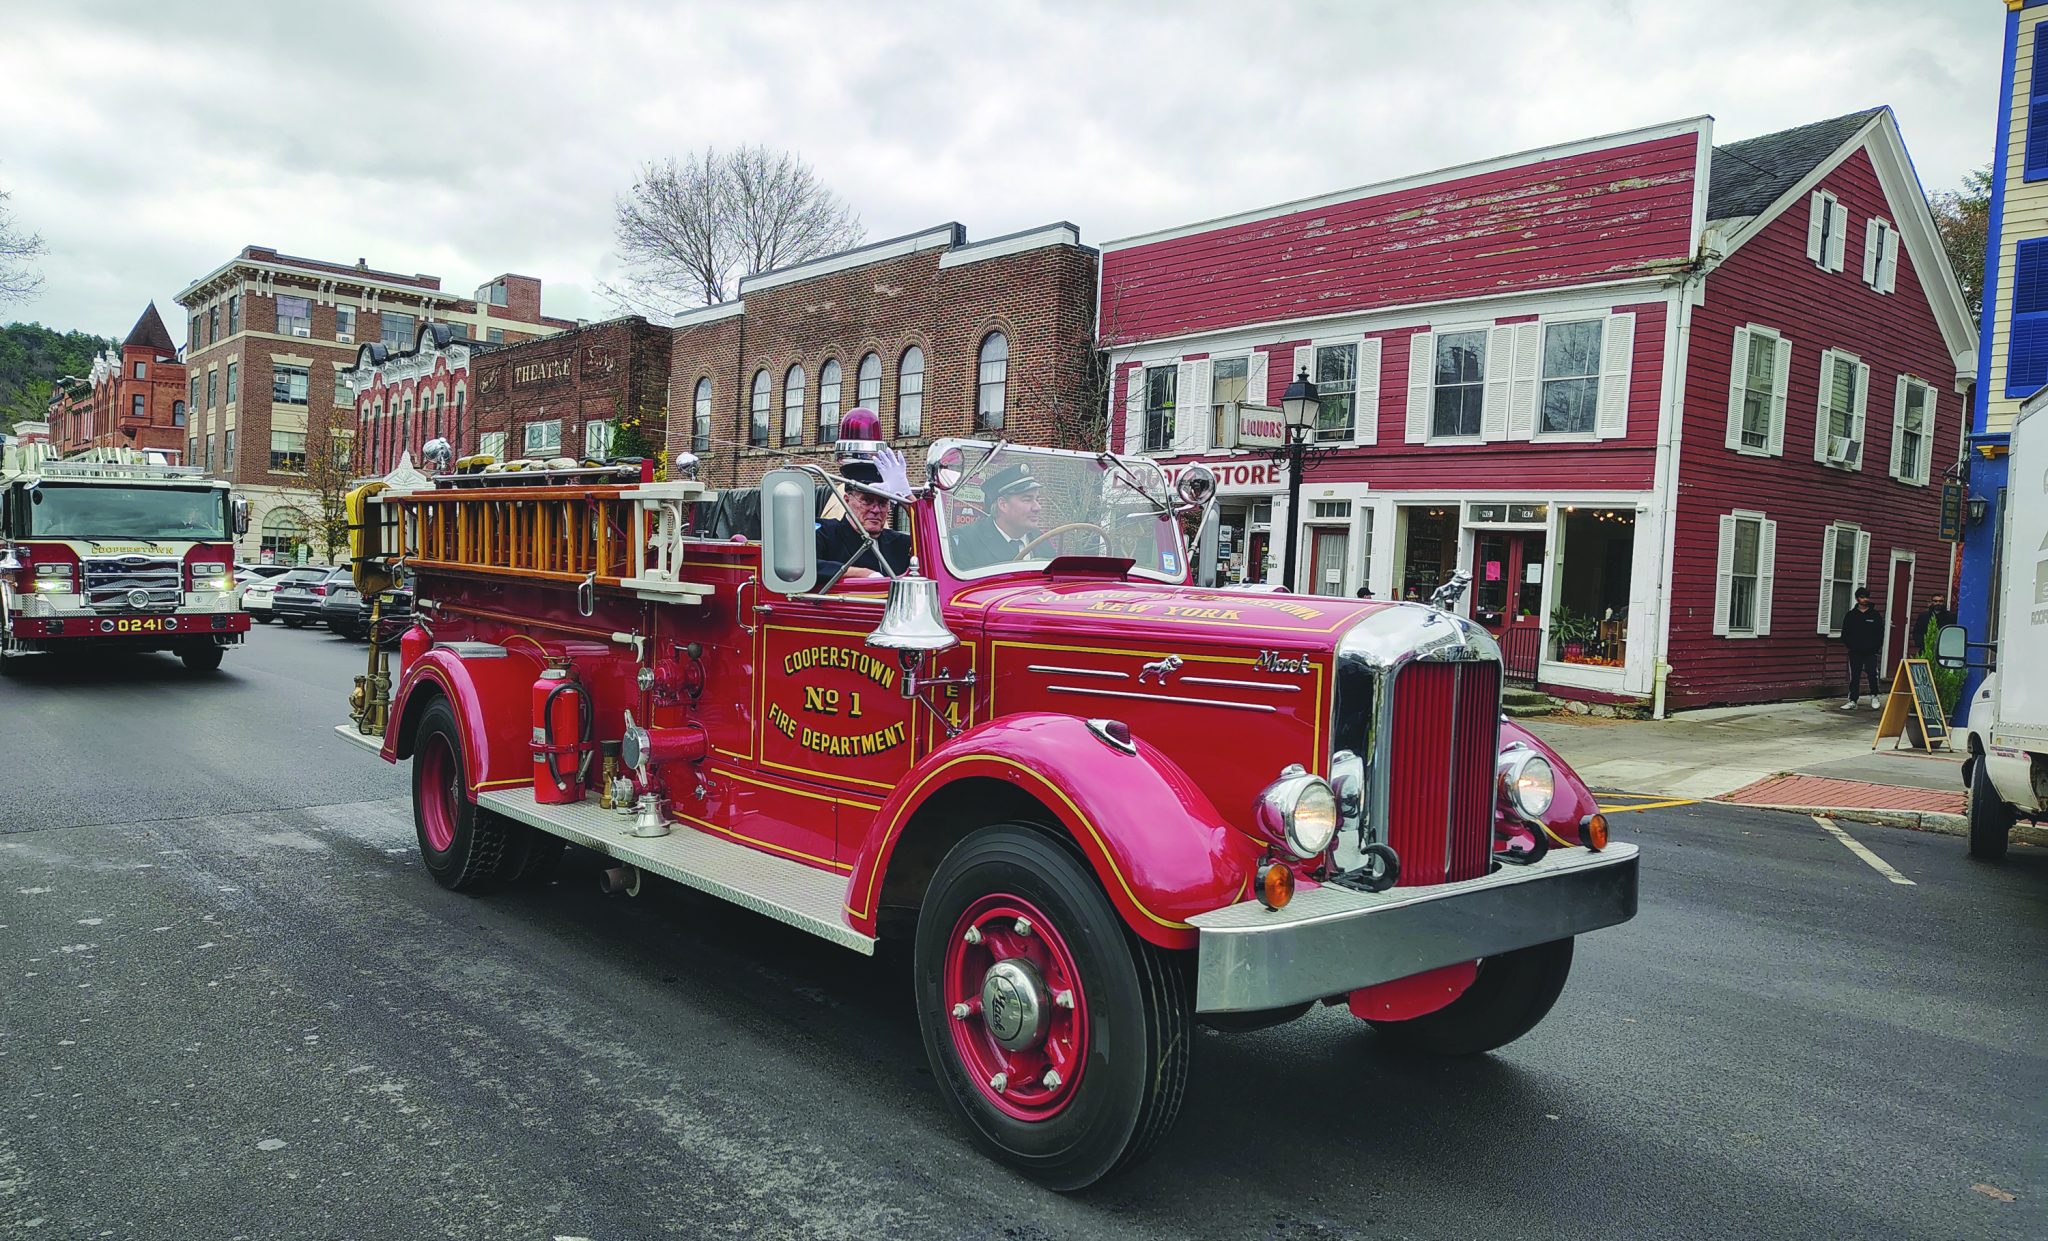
column 802, row 896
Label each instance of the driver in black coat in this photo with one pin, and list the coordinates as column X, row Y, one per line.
column 1008, row 526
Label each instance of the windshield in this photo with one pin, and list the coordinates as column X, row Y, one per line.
column 1022, row 507
column 63, row 510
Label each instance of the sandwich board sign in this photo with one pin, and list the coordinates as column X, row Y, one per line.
column 1912, row 711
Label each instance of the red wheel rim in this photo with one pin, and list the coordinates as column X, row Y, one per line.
column 1005, row 951
column 440, row 785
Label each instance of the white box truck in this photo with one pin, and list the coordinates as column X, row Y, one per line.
column 2007, row 730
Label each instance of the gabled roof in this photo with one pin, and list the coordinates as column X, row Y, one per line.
column 149, row 332
column 1750, row 175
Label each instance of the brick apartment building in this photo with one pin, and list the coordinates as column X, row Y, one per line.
column 939, row 336
column 269, row 335
column 133, row 397
column 569, row 394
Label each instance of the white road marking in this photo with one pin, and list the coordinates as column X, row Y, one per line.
column 1877, row 863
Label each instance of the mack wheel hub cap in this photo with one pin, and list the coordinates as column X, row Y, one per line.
column 1014, row 1004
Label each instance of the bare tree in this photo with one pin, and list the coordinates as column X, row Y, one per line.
column 689, row 231
column 19, row 277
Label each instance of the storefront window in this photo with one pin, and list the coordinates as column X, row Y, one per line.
column 1589, row 607
column 1429, row 550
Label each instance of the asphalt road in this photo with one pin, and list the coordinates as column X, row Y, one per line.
column 232, row 1005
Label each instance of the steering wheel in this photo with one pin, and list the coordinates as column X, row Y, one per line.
column 1062, row 529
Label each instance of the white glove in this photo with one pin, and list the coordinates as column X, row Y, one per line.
column 895, row 474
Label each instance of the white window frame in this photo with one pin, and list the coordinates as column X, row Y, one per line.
column 491, row 444
column 1827, row 227
column 1828, row 622
column 1423, row 346
column 541, row 438
column 1215, row 415
column 1536, row 432
column 348, row 335
column 700, row 415
column 1859, row 405
column 1171, row 425
column 1881, row 255
column 795, row 383
column 1724, row 575
column 597, row 439
column 1913, row 473
column 1747, row 337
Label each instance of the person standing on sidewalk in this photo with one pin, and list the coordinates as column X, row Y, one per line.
column 1863, row 634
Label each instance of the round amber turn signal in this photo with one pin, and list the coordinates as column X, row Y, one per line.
column 1594, row 832
column 1276, row 885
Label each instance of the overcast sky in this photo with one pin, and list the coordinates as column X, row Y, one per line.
column 147, row 142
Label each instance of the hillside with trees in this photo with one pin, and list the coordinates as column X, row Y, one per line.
column 32, row 357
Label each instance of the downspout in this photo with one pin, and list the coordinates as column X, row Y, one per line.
column 1691, row 286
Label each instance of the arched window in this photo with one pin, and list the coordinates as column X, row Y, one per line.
column 283, row 536
column 440, row 405
column 177, row 413
column 992, row 378
column 456, row 439
column 793, row 406
column 869, row 379
column 700, row 418
column 910, row 394
column 757, row 424
column 828, row 401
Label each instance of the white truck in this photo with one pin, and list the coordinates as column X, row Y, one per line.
column 2007, row 729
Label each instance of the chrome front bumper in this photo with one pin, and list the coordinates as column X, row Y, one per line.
column 1333, row 940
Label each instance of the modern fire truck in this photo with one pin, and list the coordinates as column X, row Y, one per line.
column 1101, row 803
column 113, row 550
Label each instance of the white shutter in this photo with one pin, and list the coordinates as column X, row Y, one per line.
column 1781, row 384
column 1255, row 390
column 1738, row 375
column 1191, row 413
column 1921, row 469
column 1421, row 364
column 1873, row 248
column 1365, row 427
column 1888, row 265
column 1134, row 410
column 1862, row 559
column 1617, row 358
column 1856, row 428
column 1838, row 236
column 1827, row 576
column 1724, row 574
column 1304, row 361
column 1820, row 426
column 1527, row 381
column 1816, row 222
column 1899, row 430
column 1500, row 360
column 1766, row 568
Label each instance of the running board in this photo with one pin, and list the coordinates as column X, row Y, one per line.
column 802, row 896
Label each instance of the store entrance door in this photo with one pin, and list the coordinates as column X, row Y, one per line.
column 1507, row 596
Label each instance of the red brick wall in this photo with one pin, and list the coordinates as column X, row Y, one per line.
column 611, row 368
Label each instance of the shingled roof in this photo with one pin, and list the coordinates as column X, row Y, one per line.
column 1750, row 175
column 149, row 331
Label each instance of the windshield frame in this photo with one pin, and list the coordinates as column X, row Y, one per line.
column 1144, row 478
column 31, row 509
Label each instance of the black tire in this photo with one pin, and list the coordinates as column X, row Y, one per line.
column 261, row 618
column 1991, row 819
column 1138, row 1007
column 292, row 622
column 474, row 856
column 1513, row 991
column 201, row 657
column 533, row 858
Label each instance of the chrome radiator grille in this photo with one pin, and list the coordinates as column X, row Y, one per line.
column 1446, row 730
column 134, row 583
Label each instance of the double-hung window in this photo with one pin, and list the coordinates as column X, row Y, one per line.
column 1229, row 380
column 1912, row 431
column 793, row 406
column 1838, row 428
column 1756, row 391
column 294, row 316
column 992, row 381
column 700, row 417
column 757, row 411
column 828, row 401
column 235, row 313
column 910, row 393
column 1881, row 255
column 344, row 323
column 1570, row 400
column 288, row 452
column 1160, row 383
column 287, row 385
column 1843, row 556
column 1459, row 399
column 597, row 439
column 1827, row 227
column 868, row 383
column 1743, row 575
column 544, row 438
column 394, row 329
column 1337, row 382
column 234, row 384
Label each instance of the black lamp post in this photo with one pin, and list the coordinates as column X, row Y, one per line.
column 1299, row 406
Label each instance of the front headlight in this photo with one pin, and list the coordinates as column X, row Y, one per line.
column 1527, row 782
column 208, row 568
column 1298, row 812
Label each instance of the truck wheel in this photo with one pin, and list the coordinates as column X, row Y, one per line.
column 461, row 843
column 1061, row 1038
column 200, row 657
column 1991, row 819
column 1512, row 992
column 537, row 853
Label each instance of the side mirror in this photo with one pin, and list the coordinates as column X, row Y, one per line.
column 1951, row 647
column 789, row 532
column 241, row 516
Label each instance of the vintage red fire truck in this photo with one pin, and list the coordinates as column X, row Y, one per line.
column 113, row 550
column 1101, row 803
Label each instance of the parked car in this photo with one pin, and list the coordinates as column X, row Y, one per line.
column 300, row 593
column 347, row 612
column 257, row 594
column 343, row 609
column 251, row 572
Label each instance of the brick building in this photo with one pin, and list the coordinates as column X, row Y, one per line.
column 133, row 397
column 568, row 395
column 269, row 335
column 937, row 335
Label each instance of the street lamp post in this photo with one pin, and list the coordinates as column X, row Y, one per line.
column 1299, row 406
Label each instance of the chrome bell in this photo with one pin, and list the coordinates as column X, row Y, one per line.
column 911, row 623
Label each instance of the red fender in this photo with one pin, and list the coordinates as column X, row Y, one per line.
column 1161, row 850
column 489, row 697
column 1572, row 801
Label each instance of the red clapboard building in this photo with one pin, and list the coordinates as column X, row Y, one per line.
column 1668, row 403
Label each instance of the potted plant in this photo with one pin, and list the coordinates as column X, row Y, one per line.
column 1570, row 630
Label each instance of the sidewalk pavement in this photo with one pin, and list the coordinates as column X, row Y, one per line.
column 1808, row 756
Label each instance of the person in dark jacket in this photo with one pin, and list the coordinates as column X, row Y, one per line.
column 839, row 543
column 1009, row 526
column 1863, row 635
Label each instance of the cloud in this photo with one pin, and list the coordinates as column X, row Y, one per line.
column 467, row 141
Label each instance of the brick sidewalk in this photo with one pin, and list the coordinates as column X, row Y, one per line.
column 1845, row 794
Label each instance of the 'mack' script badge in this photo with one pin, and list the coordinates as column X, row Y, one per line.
column 1274, row 661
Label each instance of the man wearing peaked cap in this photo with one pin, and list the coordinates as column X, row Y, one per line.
column 1011, row 520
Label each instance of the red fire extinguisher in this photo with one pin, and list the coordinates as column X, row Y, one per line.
column 561, row 737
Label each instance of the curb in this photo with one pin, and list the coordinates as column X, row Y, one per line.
column 1912, row 820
